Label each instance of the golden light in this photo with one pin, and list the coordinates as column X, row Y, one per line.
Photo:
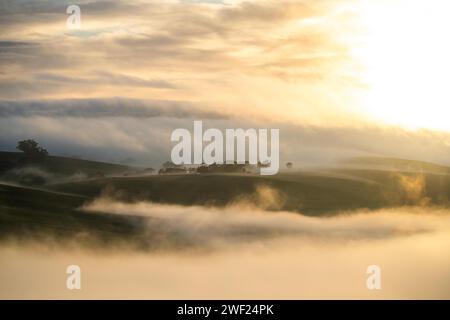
column 407, row 59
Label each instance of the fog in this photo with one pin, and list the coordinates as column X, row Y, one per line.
column 33, row 175
column 244, row 252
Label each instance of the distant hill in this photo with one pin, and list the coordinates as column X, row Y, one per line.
column 395, row 164
column 362, row 183
column 61, row 165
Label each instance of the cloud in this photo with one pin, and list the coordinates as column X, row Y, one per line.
column 115, row 129
column 101, row 108
column 279, row 64
column 252, row 53
column 101, row 77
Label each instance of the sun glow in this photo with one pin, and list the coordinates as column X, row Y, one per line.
column 407, row 59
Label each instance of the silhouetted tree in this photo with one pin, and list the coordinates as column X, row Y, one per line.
column 32, row 150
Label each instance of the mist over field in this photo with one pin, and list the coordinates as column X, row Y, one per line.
column 242, row 223
column 298, row 234
column 88, row 176
column 242, row 252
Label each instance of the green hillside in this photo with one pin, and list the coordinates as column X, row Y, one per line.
column 60, row 165
column 14, row 168
column 53, row 208
column 41, row 215
column 310, row 193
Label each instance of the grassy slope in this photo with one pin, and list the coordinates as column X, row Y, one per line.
column 43, row 215
column 53, row 210
column 62, row 165
column 309, row 193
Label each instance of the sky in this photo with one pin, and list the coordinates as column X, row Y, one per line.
column 339, row 78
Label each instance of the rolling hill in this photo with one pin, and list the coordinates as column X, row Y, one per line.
column 52, row 208
column 61, row 165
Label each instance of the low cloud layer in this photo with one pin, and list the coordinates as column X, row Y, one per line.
column 114, row 130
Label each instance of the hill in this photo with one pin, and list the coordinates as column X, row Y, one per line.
column 310, row 193
column 13, row 168
column 395, row 164
column 62, row 165
column 53, row 208
column 41, row 215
